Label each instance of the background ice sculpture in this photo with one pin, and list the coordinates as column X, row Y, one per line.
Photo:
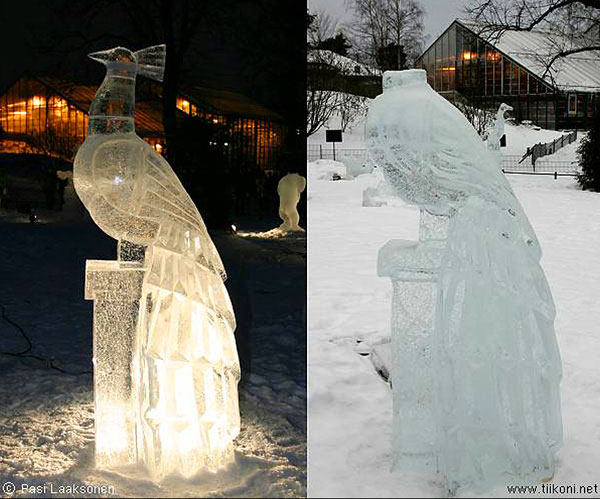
column 289, row 189
column 165, row 362
column 497, row 132
column 475, row 355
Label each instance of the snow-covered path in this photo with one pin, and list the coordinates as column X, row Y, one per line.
column 46, row 417
column 350, row 405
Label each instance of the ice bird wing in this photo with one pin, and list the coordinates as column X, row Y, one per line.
column 140, row 199
column 165, row 201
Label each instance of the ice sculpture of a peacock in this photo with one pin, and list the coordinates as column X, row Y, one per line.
column 165, row 361
column 494, row 363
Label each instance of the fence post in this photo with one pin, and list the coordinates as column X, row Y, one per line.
column 320, row 151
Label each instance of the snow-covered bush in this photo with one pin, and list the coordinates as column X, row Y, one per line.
column 480, row 118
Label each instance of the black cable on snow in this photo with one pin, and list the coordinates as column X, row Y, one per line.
column 50, row 363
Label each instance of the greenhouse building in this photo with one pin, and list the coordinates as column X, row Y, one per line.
column 513, row 67
column 48, row 115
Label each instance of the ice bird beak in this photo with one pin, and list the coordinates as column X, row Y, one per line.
column 102, row 56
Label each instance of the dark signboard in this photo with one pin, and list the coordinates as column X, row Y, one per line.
column 333, row 135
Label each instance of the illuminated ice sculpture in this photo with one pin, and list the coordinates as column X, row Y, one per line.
column 289, row 189
column 165, row 361
column 476, row 368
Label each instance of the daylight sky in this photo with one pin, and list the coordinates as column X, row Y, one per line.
column 439, row 13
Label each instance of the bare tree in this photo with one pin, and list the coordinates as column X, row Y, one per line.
column 329, row 90
column 350, row 108
column 322, row 27
column 571, row 26
column 322, row 99
column 320, row 107
column 481, row 118
column 385, row 30
column 323, row 104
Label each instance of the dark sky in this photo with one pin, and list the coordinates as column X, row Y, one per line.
column 255, row 47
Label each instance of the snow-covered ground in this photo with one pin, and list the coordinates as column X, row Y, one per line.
column 46, row 417
column 350, row 413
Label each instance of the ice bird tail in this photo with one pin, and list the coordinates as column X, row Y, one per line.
column 151, row 61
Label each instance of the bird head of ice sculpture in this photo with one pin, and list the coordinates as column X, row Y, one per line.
column 113, row 107
column 501, row 116
column 503, row 109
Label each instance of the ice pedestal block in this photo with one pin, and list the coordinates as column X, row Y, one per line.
column 412, row 267
column 164, row 398
column 165, row 361
column 116, row 290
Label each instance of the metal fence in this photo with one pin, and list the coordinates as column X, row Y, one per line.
column 510, row 163
column 540, row 150
column 320, row 151
column 514, row 164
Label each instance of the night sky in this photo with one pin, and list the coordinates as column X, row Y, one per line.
column 256, row 47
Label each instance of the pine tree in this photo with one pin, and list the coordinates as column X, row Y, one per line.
column 338, row 44
column 589, row 155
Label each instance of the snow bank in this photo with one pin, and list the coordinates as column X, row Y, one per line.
column 326, row 169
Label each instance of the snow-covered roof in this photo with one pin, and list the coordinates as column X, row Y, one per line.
column 345, row 65
column 534, row 50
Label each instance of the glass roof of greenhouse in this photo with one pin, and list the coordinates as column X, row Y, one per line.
column 534, row 49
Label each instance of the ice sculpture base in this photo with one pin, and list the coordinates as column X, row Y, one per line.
column 126, row 433
column 411, row 266
column 116, row 288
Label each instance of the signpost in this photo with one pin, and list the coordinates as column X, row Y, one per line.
column 333, row 136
